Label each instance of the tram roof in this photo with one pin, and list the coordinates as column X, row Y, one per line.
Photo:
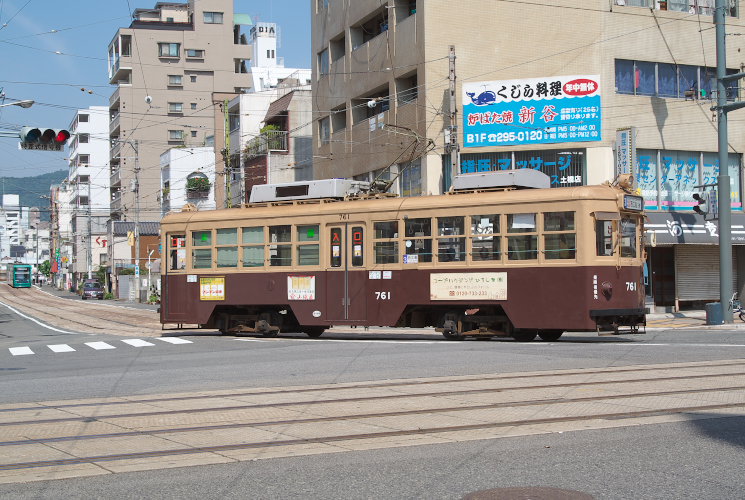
column 371, row 205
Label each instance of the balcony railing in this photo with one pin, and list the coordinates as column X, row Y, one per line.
column 271, row 140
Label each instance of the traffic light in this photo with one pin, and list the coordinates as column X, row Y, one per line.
column 50, row 139
column 702, row 204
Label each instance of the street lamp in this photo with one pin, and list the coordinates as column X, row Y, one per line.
column 27, row 103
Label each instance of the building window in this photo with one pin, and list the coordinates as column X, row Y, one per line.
column 324, row 130
column 213, row 18
column 175, row 135
column 339, row 119
column 193, row 105
column 322, row 5
column 411, row 179
column 175, row 80
column 83, row 138
column 169, row 49
column 196, row 53
column 193, row 133
column 669, row 80
column 175, row 107
column 407, row 89
column 193, row 78
column 323, row 62
column 83, row 118
column 84, row 160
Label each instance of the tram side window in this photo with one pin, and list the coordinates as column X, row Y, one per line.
column 201, row 258
column 523, row 246
column 418, row 244
column 604, row 237
column 385, row 245
column 177, row 252
column 252, row 239
column 559, row 239
column 227, row 247
column 485, row 237
column 308, row 253
column 628, row 238
column 280, row 246
column 452, row 248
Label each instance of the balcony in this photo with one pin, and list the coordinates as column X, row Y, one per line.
column 116, row 178
column 272, row 140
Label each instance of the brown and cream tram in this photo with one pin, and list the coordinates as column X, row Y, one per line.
column 473, row 262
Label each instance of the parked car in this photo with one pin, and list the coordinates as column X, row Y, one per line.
column 92, row 289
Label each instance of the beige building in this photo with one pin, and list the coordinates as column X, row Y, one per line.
column 560, row 86
column 166, row 65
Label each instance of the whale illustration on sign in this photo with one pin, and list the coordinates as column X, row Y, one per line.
column 484, row 99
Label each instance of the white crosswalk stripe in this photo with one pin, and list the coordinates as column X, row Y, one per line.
column 137, row 343
column 99, row 345
column 174, row 340
column 20, row 351
column 61, row 348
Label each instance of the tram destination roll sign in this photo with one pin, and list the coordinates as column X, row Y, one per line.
column 532, row 111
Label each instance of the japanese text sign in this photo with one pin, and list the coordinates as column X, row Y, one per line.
column 532, row 111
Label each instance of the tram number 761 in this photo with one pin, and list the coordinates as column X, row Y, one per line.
column 383, row 295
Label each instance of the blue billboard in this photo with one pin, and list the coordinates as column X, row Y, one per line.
column 531, row 111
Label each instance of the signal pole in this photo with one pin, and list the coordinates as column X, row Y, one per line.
column 723, row 181
column 137, row 221
column 90, row 233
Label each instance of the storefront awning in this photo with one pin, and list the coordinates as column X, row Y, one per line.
column 665, row 228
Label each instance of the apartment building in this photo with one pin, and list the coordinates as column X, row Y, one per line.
column 166, row 66
column 88, row 179
column 419, row 91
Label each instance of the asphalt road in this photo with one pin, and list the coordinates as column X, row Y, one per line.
column 694, row 458
column 207, row 361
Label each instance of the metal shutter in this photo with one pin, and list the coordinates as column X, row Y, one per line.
column 697, row 272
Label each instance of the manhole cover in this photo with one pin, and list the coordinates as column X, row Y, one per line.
column 528, row 493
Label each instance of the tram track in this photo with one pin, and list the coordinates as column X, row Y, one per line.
column 65, row 313
column 395, row 383
column 208, row 428
column 310, row 402
column 534, row 402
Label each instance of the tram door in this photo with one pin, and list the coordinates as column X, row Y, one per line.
column 346, row 276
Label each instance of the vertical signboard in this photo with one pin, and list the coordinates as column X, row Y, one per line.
column 532, row 111
column 626, row 151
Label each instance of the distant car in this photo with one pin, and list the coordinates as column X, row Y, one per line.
column 92, row 289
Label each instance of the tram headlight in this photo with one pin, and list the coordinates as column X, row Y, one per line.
column 607, row 288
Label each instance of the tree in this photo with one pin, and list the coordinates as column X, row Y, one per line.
column 45, row 268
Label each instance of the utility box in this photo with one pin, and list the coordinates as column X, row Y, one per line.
column 714, row 314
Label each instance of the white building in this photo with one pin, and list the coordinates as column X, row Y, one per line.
column 88, row 179
column 187, row 176
column 267, row 70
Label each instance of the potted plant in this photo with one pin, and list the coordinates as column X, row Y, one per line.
column 199, row 184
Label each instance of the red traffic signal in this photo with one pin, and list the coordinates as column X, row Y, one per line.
column 43, row 139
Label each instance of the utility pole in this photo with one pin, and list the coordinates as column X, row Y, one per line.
column 90, row 233
column 723, row 181
column 452, row 134
column 226, row 157
column 137, row 221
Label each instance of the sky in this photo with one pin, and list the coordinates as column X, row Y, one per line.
column 50, row 50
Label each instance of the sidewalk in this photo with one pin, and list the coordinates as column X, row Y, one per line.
column 66, row 294
column 689, row 319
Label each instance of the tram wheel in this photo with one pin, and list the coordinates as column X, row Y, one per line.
column 525, row 335
column 313, row 331
column 550, row 335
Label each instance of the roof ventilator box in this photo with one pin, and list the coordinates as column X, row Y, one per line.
column 308, row 190
column 521, row 179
